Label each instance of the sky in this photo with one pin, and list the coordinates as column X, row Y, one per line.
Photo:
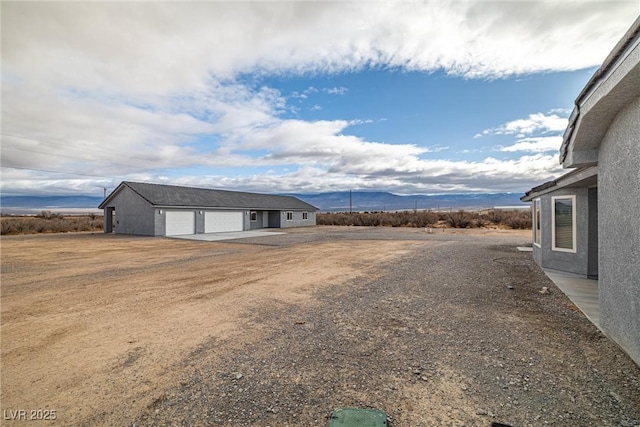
column 409, row 97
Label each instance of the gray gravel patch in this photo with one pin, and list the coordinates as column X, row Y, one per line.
column 454, row 333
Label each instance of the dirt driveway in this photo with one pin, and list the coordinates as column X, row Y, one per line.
column 280, row 330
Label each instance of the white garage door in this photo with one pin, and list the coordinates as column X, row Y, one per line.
column 180, row 222
column 217, row 222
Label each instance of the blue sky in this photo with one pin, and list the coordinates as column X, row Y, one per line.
column 408, row 97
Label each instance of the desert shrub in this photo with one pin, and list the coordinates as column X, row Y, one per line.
column 7, row 227
column 517, row 219
column 460, row 219
column 425, row 218
column 49, row 215
column 45, row 223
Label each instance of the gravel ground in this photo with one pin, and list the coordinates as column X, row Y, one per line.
column 456, row 332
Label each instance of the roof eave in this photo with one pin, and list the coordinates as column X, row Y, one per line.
column 578, row 145
column 573, row 178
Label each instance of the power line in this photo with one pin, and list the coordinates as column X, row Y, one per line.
column 52, row 171
column 46, row 153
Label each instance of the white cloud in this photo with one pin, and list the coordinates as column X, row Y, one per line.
column 422, row 176
column 305, row 93
column 535, row 145
column 174, row 47
column 134, row 89
column 336, row 90
column 538, row 122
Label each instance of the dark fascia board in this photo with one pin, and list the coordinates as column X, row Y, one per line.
column 632, row 33
column 572, row 178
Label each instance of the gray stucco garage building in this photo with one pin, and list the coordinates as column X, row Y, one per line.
column 169, row 210
column 587, row 222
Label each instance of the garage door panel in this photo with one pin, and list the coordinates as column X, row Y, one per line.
column 220, row 221
column 180, row 222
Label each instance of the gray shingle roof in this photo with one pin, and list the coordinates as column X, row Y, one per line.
column 173, row 195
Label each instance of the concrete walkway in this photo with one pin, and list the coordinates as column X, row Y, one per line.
column 214, row 237
column 582, row 292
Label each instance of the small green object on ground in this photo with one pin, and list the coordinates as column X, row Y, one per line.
column 354, row 417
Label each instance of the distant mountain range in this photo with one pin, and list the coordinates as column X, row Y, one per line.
column 326, row 202
column 382, row 201
column 60, row 204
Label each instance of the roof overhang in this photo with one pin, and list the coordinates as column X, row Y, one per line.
column 614, row 86
column 583, row 177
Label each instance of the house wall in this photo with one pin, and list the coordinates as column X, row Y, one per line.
column 619, row 230
column 592, row 261
column 545, row 256
column 133, row 215
column 246, row 220
column 297, row 219
column 159, row 222
column 254, row 225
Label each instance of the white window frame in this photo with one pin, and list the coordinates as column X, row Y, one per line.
column 535, row 222
column 305, row 216
column 289, row 215
column 253, row 216
column 573, row 224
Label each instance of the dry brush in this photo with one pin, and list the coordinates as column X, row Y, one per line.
column 513, row 219
column 48, row 222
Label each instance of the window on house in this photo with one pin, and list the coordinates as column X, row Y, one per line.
column 536, row 222
column 305, row 216
column 254, row 216
column 289, row 216
column 563, row 225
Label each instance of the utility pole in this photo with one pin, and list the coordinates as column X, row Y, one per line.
column 105, row 192
column 350, row 202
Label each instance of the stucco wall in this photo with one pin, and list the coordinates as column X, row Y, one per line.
column 258, row 223
column 619, row 230
column 545, row 256
column 592, row 266
column 132, row 214
column 297, row 219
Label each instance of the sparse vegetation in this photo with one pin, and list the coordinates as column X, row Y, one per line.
column 48, row 222
column 514, row 219
column 49, row 215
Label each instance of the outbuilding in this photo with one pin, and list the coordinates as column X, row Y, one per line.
column 170, row 210
column 587, row 222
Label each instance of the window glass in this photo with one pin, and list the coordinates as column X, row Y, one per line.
column 254, row 216
column 563, row 223
column 289, row 216
column 305, row 215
